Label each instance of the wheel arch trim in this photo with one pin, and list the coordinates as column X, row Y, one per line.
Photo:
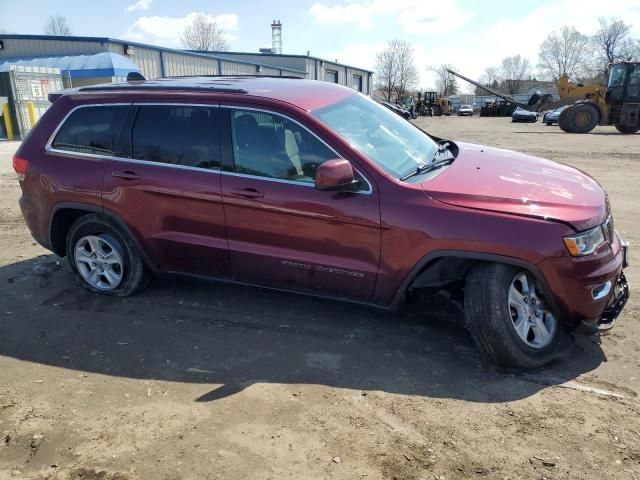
column 89, row 208
column 480, row 257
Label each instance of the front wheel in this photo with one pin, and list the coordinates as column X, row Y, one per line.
column 579, row 118
column 509, row 318
column 626, row 129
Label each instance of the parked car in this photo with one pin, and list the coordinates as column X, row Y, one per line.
column 312, row 187
column 522, row 115
column 406, row 114
column 553, row 116
column 465, row 110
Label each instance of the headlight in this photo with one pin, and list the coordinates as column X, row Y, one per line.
column 584, row 243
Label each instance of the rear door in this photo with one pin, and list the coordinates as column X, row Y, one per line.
column 281, row 230
column 165, row 184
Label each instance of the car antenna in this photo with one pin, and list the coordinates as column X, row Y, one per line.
column 135, row 77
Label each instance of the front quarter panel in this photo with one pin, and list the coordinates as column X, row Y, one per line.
column 415, row 225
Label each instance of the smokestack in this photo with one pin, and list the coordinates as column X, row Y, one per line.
column 276, row 37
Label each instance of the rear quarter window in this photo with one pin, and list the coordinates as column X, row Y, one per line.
column 95, row 130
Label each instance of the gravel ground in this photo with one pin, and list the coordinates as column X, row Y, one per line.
column 198, row 380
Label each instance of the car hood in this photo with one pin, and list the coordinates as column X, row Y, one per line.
column 510, row 182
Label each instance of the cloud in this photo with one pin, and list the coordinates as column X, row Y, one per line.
column 166, row 31
column 411, row 16
column 358, row 54
column 350, row 13
column 471, row 50
column 139, row 5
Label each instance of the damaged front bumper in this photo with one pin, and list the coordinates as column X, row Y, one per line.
column 616, row 303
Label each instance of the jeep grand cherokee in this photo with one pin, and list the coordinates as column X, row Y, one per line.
column 310, row 186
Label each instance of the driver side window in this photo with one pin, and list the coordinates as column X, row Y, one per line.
column 269, row 145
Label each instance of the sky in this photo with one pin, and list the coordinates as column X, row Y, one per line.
column 471, row 35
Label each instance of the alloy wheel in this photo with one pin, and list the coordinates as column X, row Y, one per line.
column 99, row 261
column 532, row 320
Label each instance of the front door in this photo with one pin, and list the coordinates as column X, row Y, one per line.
column 281, row 230
column 165, row 184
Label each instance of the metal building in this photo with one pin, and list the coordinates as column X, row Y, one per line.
column 315, row 68
column 156, row 62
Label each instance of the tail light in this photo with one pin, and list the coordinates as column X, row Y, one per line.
column 20, row 165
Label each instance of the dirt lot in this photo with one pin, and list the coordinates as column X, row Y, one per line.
column 196, row 380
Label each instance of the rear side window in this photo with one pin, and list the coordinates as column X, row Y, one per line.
column 94, row 130
column 177, row 135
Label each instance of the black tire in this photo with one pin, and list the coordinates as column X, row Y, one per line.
column 489, row 320
column 135, row 275
column 579, row 118
column 627, row 129
column 549, row 123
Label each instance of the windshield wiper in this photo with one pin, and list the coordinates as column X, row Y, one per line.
column 428, row 167
column 443, row 146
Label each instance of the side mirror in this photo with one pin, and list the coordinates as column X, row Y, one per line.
column 335, row 175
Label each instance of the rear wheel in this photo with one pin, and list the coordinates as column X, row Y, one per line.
column 626, row 128
column 509, row 318
column 580, row 118
column 103, row 257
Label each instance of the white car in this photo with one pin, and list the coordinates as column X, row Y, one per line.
column 465, row 110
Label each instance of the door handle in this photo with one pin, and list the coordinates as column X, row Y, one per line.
column 247, row 193
column 126, row 175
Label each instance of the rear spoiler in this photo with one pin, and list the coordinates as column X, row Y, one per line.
column 53, row 96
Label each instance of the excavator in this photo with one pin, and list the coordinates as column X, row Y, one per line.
column 590, row 104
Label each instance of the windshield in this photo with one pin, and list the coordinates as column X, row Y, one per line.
column 391, row 142
column 616, row 76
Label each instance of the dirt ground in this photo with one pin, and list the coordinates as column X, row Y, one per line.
column 198, row 380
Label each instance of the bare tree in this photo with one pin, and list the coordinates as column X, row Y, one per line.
column 407, row 72
column 386, row 71
column 203, row 34
column 446, row 82
column 613, row 43
column 395, row 69
column 566, row 51
column 490, row 78
column 514, row 70
column 57, row 25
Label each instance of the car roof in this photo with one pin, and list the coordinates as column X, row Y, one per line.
column 305, row 94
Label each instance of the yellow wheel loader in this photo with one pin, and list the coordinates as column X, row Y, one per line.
column 590, row 104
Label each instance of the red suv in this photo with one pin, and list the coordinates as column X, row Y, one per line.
column 310, row 186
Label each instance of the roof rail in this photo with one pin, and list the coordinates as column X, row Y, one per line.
column 235, row 76
column 155, row 86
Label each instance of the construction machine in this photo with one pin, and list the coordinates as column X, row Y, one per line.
column 589, row 104
column 430, row 104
